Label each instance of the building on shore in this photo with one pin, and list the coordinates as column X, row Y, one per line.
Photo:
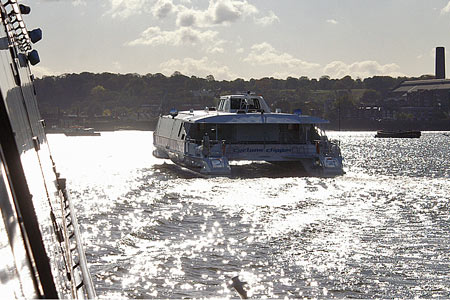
column 415, row 100
column 422, row 99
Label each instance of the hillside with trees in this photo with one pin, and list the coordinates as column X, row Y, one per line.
column 122, row 96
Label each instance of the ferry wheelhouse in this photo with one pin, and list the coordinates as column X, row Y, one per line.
column 243, row 128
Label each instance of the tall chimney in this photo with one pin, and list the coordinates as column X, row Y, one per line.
column 440, row 63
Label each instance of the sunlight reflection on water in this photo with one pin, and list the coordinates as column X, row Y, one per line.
column 153, row 230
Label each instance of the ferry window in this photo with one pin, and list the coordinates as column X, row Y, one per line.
column 179, row 130
column 257, row 106
column 221, row 104
column 197, row 131
column 235, row 103
column 226, row 105
column 166, row 127
column 226, row 132
column 314, row 135
column 253, row 104
column 302, row 134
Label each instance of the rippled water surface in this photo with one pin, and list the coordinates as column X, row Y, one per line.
column 153, row 230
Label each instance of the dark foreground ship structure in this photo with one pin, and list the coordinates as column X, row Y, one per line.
column 40, row 242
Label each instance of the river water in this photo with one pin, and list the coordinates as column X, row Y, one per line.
column 153, row 230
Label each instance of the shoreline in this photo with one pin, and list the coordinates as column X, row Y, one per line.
column 345, row 125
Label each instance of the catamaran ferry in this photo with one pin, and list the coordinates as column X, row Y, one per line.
column 243, row 128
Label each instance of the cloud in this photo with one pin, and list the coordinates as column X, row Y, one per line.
column 74, row 2
column 182, row 36
column 226, row 11
column 155, row 36
column 284, row 65
column 265, row 54
column 332, row 21
column 162, row 8
column 40, row 71
column 215, row 49
column 362, row 69
column 187, row 18
column 267, row 20
column 198, row 67
column 446, row 9
column 126, row 8
column 218, row 12
column 79, row 3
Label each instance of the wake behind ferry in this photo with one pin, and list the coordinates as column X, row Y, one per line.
column 244, row 128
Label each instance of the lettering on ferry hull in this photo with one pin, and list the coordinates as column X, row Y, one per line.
column 262, row 150
column 272, row 150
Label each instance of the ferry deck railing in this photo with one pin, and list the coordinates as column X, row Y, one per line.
column 78, row 273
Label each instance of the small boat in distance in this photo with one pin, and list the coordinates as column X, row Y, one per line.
column 244, row 128
column 80, row 131
column 398, row 134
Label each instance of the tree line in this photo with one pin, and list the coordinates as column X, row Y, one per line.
column 118, row 94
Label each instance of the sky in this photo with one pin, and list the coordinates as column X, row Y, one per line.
column 246, row 39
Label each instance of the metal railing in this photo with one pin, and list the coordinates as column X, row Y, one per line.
column 17, row 29
column 81, row 282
